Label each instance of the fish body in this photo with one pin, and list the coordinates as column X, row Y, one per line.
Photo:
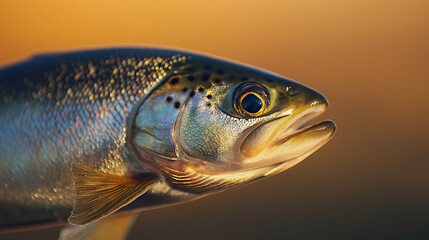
column 173, row 125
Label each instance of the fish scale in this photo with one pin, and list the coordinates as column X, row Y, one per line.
column 58, row 109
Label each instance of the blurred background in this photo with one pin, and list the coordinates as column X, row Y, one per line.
column 369, row 58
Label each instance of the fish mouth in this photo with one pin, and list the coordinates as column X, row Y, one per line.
column 302, row 126
column 287, row 140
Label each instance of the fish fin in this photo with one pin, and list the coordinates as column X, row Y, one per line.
column 99, row 194
column 112, row 227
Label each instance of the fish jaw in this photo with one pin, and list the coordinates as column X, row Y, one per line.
column 307, row 141
column 287, row 140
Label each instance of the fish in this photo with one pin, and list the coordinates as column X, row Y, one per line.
column 90, row 137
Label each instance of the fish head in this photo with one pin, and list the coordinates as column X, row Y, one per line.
column 226, row 120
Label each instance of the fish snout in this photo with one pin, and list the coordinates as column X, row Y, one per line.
column 314, row 100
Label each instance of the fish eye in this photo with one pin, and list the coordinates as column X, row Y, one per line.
column 251, row 100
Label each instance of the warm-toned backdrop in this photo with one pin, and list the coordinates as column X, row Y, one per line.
column 369, row 58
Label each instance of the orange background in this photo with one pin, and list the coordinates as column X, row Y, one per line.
column 369, row 58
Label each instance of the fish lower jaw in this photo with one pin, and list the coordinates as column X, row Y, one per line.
column 296, row 142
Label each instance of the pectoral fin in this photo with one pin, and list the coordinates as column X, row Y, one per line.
column 99, row 194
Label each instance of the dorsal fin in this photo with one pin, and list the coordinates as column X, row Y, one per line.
column 99, row 194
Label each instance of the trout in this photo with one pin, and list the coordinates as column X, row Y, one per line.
column 85, row 134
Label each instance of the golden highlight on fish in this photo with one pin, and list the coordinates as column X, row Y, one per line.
column 85, row 134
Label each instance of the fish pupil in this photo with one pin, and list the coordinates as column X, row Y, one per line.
column 251, row 103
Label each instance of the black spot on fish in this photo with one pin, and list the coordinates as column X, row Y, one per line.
column 184, row 89
column 209, row 96
column 200, row 89
column 174, row 81
column 192, row 93
column 217, row 81
column 220, row 72
column 205, row 77
column 208, row 67
column 176, row 104
column 244, row 78
column 209, row 104
column 169, row 99
column 191, row 78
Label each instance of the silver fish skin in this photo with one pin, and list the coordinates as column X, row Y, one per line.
column 73, row 107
